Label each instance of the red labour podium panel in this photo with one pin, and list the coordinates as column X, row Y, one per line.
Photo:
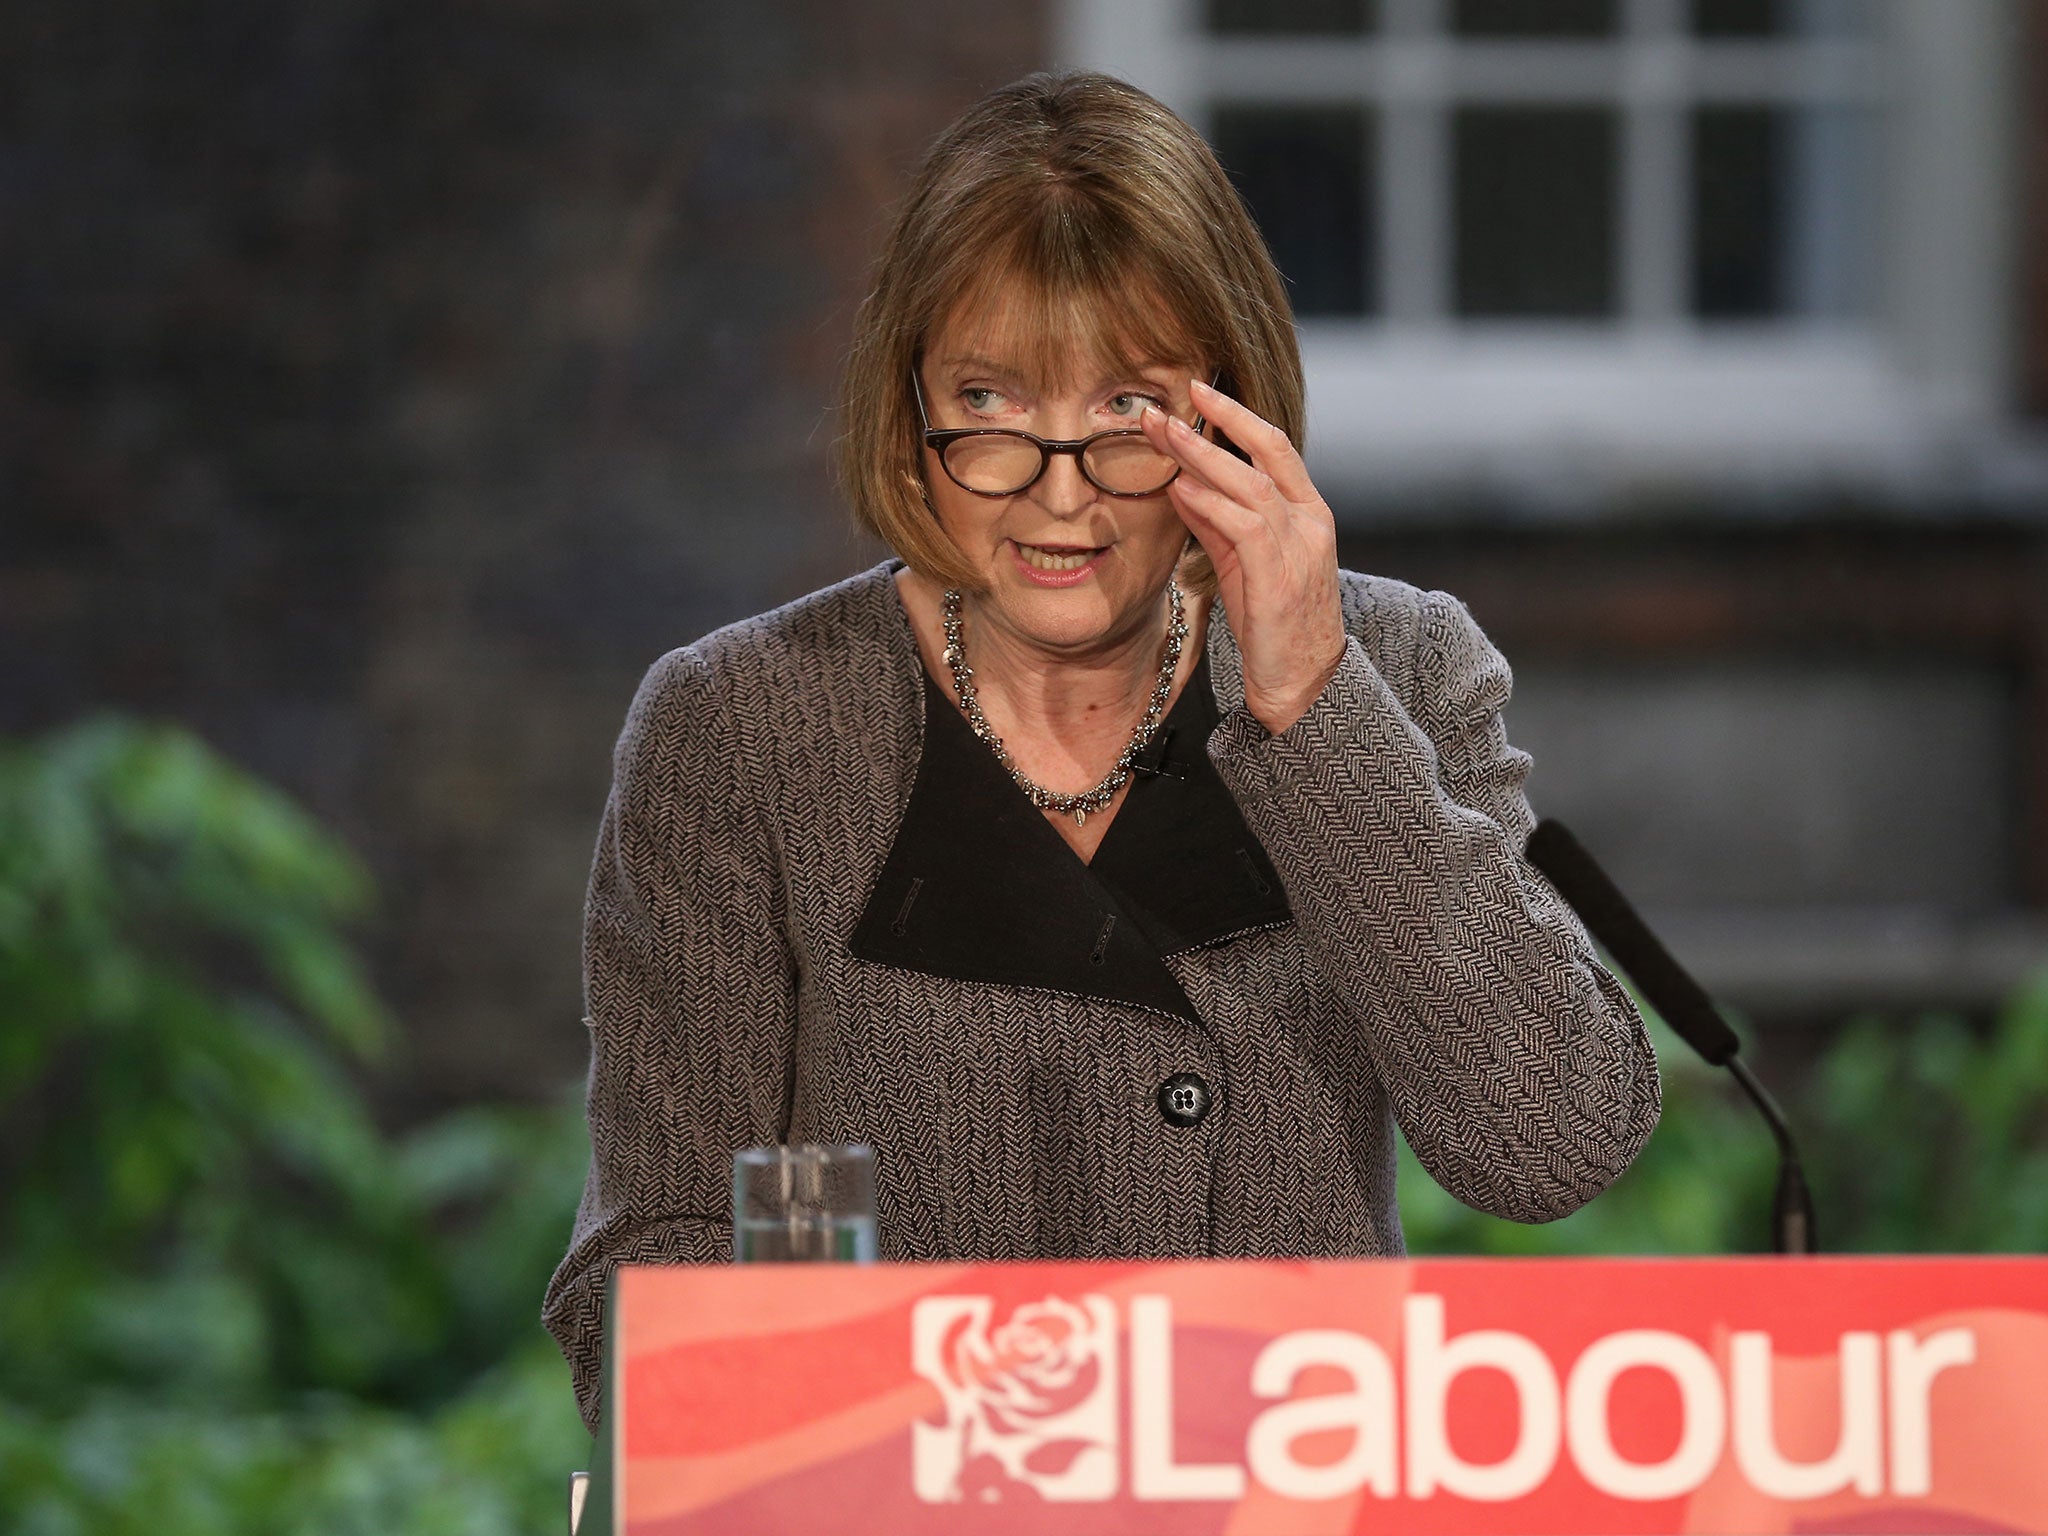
column 1315, row 1398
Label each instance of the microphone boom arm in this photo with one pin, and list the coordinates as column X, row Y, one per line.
column 1683, row 1003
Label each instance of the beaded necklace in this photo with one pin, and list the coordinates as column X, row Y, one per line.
column 1081, row 805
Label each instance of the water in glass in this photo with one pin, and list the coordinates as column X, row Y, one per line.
column 805, row 1204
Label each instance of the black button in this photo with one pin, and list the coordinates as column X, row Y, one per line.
column 1184, row 1099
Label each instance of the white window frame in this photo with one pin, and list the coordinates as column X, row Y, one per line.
column 1410, row 406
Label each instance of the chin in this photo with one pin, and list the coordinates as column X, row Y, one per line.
column 1060, row 618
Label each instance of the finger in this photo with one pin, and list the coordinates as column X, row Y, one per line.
column 1290, row 523
column 1246, row 482
column 1229, row 522
column 1208, row 538
column 1271, row 449
column 1214, row 543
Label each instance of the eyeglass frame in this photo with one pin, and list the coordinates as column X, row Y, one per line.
column 939, row 439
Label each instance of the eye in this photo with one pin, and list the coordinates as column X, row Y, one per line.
column 1131, row 405
column 982, row 401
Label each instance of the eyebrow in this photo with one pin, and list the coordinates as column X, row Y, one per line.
column 973, row 363
column 985, row 364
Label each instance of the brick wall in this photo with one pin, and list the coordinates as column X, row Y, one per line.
column 383, row 386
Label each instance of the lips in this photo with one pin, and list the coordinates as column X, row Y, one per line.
column 1057, row 557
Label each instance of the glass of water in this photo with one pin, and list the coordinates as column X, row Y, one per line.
column 805, row 1204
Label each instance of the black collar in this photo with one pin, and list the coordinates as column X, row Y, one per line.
column 978, row 887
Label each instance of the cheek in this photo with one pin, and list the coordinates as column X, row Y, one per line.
column 1156, row 524
column 968, row 520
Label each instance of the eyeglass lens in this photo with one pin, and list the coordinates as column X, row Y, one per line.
column 1003, row 463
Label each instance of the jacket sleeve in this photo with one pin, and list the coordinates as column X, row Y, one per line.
column 1517, row 1067
column 689, row 991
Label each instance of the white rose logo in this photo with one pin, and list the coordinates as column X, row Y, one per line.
column 1029, row 1405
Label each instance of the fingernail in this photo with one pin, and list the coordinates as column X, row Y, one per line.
column 1199, row 387
column 1178, row 427
column 1147, row 416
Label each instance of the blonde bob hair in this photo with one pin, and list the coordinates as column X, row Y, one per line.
column 1110, row 236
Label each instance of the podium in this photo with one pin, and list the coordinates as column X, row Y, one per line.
column 1310, row 1398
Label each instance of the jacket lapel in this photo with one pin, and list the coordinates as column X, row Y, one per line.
column 1179, row 856
column 1226, row 666
column 978, row 887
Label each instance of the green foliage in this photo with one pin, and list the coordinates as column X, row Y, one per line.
column 492, row 1461
column 229, row 1301
column 176, row 1001
column 1922, row 1136
column 1934, row 1138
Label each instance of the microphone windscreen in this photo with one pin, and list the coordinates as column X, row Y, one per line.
column 1664, row 983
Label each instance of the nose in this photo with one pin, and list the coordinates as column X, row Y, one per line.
column 1063, row 490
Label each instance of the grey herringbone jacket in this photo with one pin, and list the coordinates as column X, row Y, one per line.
column 742, row 987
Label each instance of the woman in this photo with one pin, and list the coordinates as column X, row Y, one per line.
column 1113, row 863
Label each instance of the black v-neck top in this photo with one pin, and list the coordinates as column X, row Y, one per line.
column 979, row 887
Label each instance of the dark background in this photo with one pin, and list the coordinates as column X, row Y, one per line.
column 384, row 386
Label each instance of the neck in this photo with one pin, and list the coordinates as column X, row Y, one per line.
column 1104, row 688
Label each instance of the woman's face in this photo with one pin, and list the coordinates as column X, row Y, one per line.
column 1069, row 569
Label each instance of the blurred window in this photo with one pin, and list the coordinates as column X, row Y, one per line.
column 1780, row 18
column 1569, row 161
column 1281, row 17
column 1533, row 209
column 1687, row 238
column 1782, row 207
column 1546, row 18
column 1305, row 172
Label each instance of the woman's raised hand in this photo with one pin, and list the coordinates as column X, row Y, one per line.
column 1274, row 546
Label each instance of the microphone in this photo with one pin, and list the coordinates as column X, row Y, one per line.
column 1670, row 989
column 1154, row 760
